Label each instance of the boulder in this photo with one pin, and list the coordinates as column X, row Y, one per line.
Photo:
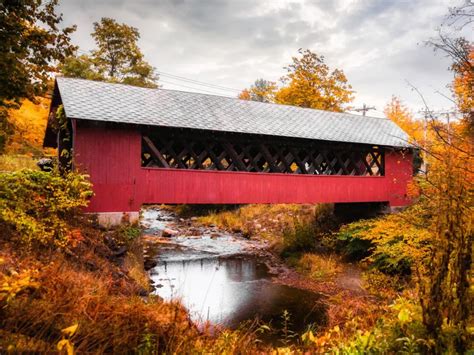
column 45, row 164
column 149, row 264
column 167, row 232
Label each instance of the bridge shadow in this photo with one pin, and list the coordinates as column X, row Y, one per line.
column 351, row 212
column 344, row 212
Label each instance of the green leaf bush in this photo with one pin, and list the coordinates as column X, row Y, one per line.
column 36, row 207
column 394, row 244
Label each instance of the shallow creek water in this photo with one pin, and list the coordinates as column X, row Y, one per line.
column 220, row 279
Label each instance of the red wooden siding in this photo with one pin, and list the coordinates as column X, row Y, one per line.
column 112, row 159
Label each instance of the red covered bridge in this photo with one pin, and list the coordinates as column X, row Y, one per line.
column 143, row 146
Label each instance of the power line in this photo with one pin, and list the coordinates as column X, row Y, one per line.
column 214, row 86
column 188, row 80
column 434, row 115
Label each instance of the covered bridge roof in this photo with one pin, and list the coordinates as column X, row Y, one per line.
column 99, row 101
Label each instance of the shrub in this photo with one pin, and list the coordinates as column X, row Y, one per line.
column 267, row 221
column 393, row 244
column 354, row 247
column 401, row 331
column 301, row 236
column 128, row 233
column 383, row 285
column 319, row 267
column 35, row 206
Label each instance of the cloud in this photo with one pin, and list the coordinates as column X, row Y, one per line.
column 378, row 43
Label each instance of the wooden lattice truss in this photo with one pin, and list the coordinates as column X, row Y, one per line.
column 182, row 149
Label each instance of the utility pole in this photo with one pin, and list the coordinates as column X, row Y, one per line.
column 426, row 115
column 434, row 114
column 364, row 109
column 449, row 127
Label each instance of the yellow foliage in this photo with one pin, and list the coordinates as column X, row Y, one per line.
column 15, row 283
column 310, row 83
column 29, row 124
column 463, row 85
column 398, row 242
column 10, row 162
column 319, row 267
column 262, row 91
column 65, row 343
column 401, row 115
column 37, row 208
column 265, row 220
column 69, row 331
column 245, row 95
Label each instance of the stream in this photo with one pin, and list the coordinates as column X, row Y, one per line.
column 224, row 279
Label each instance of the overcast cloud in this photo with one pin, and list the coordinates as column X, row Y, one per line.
column 378, row 43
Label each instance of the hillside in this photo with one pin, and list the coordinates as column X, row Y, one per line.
column 29, row 123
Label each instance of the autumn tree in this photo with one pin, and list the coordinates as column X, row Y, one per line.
column 463, row 84
column 461, row 52
column 399, row 113
column 446, row 296
column 29, row 122
column 117, row 57
column 310, row 82
column 80, row 67
column 462, row 15
column 31, row 44
column 447, row 196
column 262, row 90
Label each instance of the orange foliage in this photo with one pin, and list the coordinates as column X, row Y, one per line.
column 244, row 95
column 29, row 124
column 463, row 85
column 310, row 83
column 261, row 90
column 401, row 115
column 109, row 317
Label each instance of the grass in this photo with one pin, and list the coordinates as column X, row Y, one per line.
column 262, row 221
column 12, row 162
column 319, row 267
column 108, row 318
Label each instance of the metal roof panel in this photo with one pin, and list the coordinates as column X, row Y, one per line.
column 99, row 101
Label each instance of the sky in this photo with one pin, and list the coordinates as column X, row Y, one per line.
column 379, row 44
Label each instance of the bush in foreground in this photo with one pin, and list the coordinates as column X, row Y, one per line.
column 36, row 207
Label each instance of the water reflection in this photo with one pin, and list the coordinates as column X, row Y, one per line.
column 227, row 291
